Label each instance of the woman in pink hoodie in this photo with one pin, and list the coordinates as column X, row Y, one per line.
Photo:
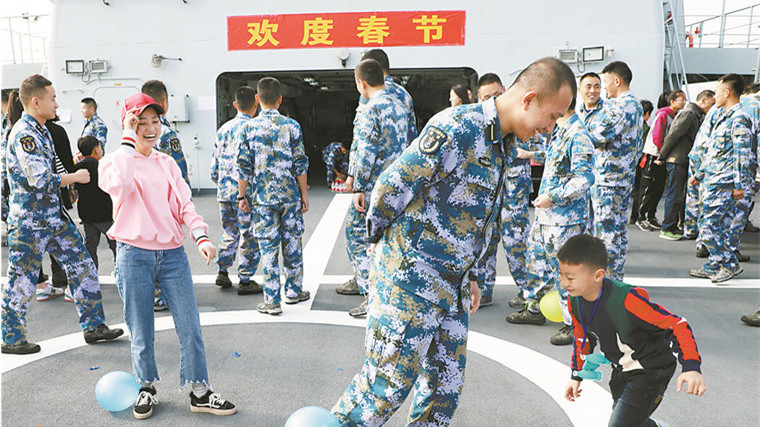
column 151, row 202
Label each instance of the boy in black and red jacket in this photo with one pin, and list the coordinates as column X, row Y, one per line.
column 637, row 336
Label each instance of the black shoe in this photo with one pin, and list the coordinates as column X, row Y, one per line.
column 741, row 257
column 248, row 288
column 526, row 317
column 654, row 223
column 361, row 310
column 750, row 227
column 145, row 402
column 486, row 301
column 102, row 333
column 518, row 301
column 563, row 337
column 752, row 319
column 702, row 252
column 212, row 403
column 690, row 237
column 159, row 305
column 20, row 348
column 348, row 288
column 644, row 225
column 223, row 280
column 302, row 296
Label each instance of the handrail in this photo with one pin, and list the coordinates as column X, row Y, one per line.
column 22, row 46
column 696, row 29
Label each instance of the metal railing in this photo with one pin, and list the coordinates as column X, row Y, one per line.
column 24, row 39
column 739, row 28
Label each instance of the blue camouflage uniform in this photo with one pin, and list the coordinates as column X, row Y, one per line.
column 96, row 127
column 399, row 92
column 271, row 156
column 169, row 144
column 726, row 167
column 37, row 224
column 380, row 132
column 692, row 211
column 429, row 215
column 236, row 224
column 617, row 136
column 751, row 106
column 5, row 130
column 334, row 160
column 512, row 225
column 589, row 116
column 568, row 176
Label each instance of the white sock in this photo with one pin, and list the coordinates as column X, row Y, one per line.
column 146, row 384
column 199, row 389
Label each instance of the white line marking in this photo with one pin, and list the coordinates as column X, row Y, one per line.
column 548, row 374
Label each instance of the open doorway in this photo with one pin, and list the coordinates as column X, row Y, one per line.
column 324, row 102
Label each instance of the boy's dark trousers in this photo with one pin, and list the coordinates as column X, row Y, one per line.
column 636, row 394
column 92, row 233
column 653, row 179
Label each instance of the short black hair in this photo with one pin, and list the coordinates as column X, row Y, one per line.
column 675, row 94
column 547, row 76
column 5, row 97
column 155, row 89
column 87, row 144
column 90, row 101
column 381, row 57
column 269, row 90
column 590, row 74
column 33, row 86
column 647, row 106
column 460, row 91
column 584, row 249
column 245, row 97
column 370, row 71
column 662, row 100
column 735, row 82
column 487, row 79
column 620, row 69
column 752, row 88
column 707, row 93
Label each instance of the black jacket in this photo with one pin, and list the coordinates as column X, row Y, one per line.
column 94, row 204
column 680, row 138
column 63, row 151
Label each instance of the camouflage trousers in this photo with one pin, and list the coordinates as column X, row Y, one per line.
column 275, row 226
column 543, row 267
column 610, row 210
column 743, row 207
column 513, row 226
column 410, row 342
column 718, row 210
column 26, row 248
column 356, row 246
column 692, row 211
column 237, row 236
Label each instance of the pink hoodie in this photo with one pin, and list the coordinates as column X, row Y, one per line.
column 147, row 212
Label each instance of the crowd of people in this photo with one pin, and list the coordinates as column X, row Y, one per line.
column 429, row 209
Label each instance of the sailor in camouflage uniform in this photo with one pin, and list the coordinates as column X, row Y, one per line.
column 380, row 132
column 236, row 224
column 725, row 170
column 561, row 213
column 4, row 131
column 336, row 161
column 616, row 133
column 38, row 223
column 692, row 211
column 429, row 217
column 94, row 125
column 272, row 159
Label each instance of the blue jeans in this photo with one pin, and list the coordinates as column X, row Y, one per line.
column 137, row 273
column 675, row 196
column 636, row 394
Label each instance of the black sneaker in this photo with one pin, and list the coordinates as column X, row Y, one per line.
column 361, row 310
column 348, row 288
column 102, row 333
column 212, row 403
column 486, row 301
column 741, row 257
column 644, row 225
column 223, row 280
column 654, row 223
column 526, row 317
column 518, row 301
column 702, row 252
column 752, row 319
column 563, row 337
column 145, row 402
column 690, row 237
column 302, row 296
column 248, row 288
column 20, row 348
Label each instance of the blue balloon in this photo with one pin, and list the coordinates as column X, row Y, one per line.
column 312, row 416
column 117, row 391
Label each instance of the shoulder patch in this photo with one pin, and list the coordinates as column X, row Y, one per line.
column 27, row 143
column 432, row 140
column 175, row 145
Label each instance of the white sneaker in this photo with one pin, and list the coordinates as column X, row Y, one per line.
column 67, row 295
column 48, row 292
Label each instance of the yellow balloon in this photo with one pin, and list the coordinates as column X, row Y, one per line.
column 550, row 308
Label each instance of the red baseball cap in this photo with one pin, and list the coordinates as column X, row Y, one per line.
column 140, row 101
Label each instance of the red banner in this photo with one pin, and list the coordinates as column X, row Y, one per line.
column 363, row 29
